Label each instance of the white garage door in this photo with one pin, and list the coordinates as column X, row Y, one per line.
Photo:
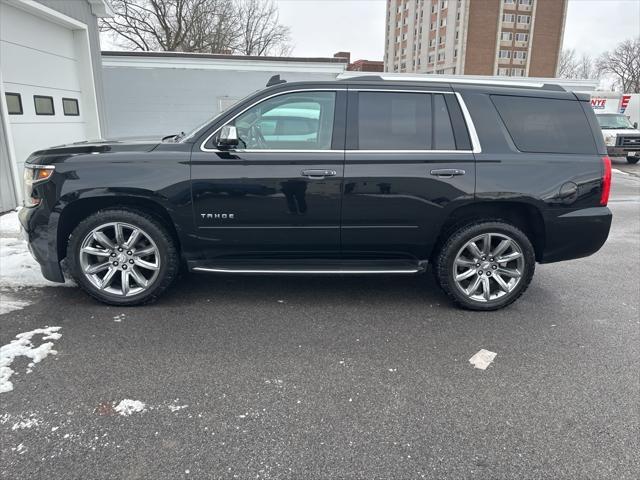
column 41, row 65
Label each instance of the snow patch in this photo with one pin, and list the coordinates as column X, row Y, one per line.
column 615, row 170
column 119, row 318
column 126, row 407
column 22, row 346
column 482, row 359
column 9, row 303
column 175, row 408
column 28, row 423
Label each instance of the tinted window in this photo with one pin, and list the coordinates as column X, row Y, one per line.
column 394, row 121
column 442, row 130
column 546, row 125
column 70, row 106
column 295, row 121
column 44, row 105
column 14, row 103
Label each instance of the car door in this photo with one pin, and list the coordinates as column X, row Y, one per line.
column 277, row 193
column 408, row 162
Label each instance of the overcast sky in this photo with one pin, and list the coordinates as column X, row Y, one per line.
column 322, row 27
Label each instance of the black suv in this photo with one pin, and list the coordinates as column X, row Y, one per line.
column 355, row 176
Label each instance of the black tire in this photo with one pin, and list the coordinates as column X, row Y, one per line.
column 167, row 252
column 444, row 263
column 633, row 160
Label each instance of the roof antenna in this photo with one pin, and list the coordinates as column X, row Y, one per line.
column 275, row 80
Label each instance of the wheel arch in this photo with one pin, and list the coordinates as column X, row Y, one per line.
column 525, row 216
column 73, row 213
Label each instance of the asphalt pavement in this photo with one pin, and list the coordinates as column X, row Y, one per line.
column 338, row 377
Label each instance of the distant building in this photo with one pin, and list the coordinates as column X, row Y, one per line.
column 161, row 93
column 361, row 65
column 518, row 38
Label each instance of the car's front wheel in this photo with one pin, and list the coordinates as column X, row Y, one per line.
column 122, row 257
column 485, row 265
column 632, row 160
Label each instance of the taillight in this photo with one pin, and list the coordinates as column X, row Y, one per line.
column 34, row 175
column 606, row 181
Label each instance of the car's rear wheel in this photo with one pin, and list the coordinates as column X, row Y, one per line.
column 122, row 257
column 632, row 160
column 485, row 265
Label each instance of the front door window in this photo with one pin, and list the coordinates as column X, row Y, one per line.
column 295, row 121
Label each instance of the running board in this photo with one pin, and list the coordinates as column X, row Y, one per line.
column 359, row 268
column 306, row 272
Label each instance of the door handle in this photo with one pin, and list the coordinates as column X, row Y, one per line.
column 319, row 174
column 447, row 172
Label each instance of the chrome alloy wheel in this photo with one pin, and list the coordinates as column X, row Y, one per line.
column 120, row 259
column 488, row 267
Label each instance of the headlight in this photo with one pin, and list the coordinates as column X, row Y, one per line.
column 610, row 140
column 34, row 175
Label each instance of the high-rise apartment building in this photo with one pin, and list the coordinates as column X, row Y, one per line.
column 475, row 37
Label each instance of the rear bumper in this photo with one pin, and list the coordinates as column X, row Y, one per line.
column 41, row 236
column 576, row 234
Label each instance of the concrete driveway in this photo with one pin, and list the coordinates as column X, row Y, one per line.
column 329, row 378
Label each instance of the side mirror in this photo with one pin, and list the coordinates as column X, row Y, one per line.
column 228, row 137
column 635, row 125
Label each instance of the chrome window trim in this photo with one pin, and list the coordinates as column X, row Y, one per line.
column 39, row 167
column 257, row 102
column 473, row 134
column 475, row 140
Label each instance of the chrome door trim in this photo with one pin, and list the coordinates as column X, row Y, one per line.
column 305, row 272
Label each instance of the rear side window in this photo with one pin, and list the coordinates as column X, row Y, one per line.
column 543, row 125
column 394, row 121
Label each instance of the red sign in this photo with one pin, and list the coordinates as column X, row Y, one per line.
column 624, row 103
column 598, row 103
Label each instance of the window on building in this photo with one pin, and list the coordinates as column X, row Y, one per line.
column 506, row 36
column 509, row 17
column 430, row 59
column 443, row 22
column 455, row 53
column 457, row 16
column 294, row 121
column 543, row 125
column 526, row 19
column 14, row 103
column 44, row 105
column 444, row 4
column 520, row 55
column 432, row 26
column 442, row 40
column 522, row 37
column 526, row 2
column 434, row 8
column 70, row 107
column 517, row 72
column 432, row 42
column 509, row 2
column 441, row 56
column 504, row 54
column 504, row 72
column 457, row 34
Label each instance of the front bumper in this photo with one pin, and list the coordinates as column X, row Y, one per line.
column 576, row 234
column 41, row 236
column 621, row 152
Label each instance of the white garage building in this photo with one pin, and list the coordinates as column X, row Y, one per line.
column 50, row 81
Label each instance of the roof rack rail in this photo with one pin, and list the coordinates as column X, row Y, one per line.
column 275, row 80
column 460, row 79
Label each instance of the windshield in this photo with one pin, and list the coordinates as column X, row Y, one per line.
column 188, row 136
column 613, row 121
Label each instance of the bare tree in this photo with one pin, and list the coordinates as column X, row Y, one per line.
column 568, row 64
column 260, row 30
column 623, row 62
column 250, row 27
column 574, row 67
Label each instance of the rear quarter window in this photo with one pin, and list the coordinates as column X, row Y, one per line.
column 544, row 125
